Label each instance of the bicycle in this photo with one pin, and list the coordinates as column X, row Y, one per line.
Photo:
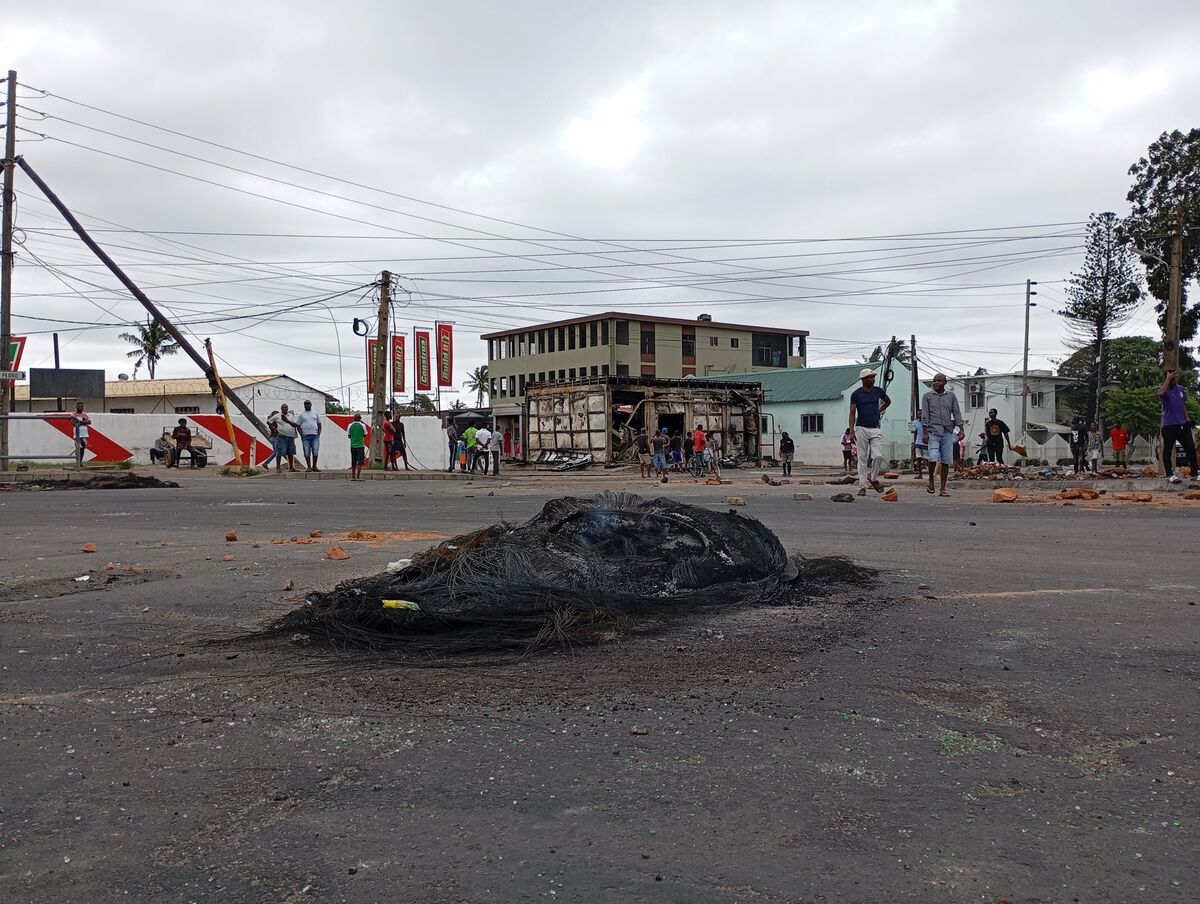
column 696, row 466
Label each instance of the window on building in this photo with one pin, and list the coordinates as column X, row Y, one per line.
column 712, row 341
column 522, row 385
column 648, row 370
column 595, row 371
column 977, row 396
column 187, row 409
column 622, row 332
column 503, row 386
column 541, row 345
column 120, row 411
column 689, row 345
column 1037, row 399
column 604, row 369
column 812, row 423
column 594, row 327
column 562, row 375
column 797, row 346
column 550, row 340
column 647, row 338
column 572, row 373
column 763, row 423
column 571, row 337
column 542, row 376
column 604, row 332
column 733, row 342
column 521, row 346
column 622, row 370
column 562, row 339
column 583, row 335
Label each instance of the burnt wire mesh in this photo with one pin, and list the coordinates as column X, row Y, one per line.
column 582, row 570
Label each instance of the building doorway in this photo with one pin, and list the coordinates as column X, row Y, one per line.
column 672, row 422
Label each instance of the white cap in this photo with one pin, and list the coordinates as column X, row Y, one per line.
column 865, row 372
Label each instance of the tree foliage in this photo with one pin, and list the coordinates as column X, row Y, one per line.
column 477, row 382
column 1166, row 179
column 900, row 352
column 152, row 343
column 1140, row 410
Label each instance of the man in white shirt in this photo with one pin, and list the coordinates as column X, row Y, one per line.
column 79, row 424
column 309, row 424
column 483, row 439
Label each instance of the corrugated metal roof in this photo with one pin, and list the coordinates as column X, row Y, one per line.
column 803, row 384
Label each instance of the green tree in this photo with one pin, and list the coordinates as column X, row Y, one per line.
column 421, row 404
column 1166, row 180
column 152, row 342
column 1131, row 362
column 332, row 407
column 477, row 382
column 1100, row 297
column 900, row 352
column 1140, row 410
column 458, row 405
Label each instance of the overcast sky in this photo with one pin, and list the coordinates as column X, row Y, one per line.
column 854, row 170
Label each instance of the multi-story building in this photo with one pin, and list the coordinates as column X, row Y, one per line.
column 631, row 345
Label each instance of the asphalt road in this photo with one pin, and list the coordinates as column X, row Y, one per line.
column 1021, row 729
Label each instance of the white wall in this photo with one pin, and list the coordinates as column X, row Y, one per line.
column 118, row 437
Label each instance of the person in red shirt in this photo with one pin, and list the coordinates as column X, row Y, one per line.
column 1119, row 437
column 389, row 442
column 698, row 440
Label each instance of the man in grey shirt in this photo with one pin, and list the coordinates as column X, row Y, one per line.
column 942, row 417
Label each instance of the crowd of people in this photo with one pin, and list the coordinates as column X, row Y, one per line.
column 677, row 452
column 476, row 446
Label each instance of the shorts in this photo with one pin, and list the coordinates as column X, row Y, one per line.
column 358, row 456
column 660, row 461
column 1119, row 456
column 943, row 446
column 311, row 443
column 398, row 447
column 677, row 457
column 847, row 454
column 920, row 453
column 788, row 456
column 643, row 458
column 285, row 445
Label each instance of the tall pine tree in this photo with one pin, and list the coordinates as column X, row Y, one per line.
column 1102, row 295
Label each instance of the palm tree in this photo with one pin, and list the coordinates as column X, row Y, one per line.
column 152, row 342
column 477, row 382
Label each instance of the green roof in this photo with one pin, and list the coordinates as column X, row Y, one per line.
column 803, row 384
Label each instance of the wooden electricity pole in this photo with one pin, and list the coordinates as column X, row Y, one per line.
column 137, row 293
column 916, row 386
column 1174, row 295
column 380, row 370
column 6, row 262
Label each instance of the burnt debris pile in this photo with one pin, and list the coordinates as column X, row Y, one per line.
column 581, row 571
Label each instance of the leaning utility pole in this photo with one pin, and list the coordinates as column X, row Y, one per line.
column 6, row 262
column 1029, row 293
column 1174, row 295
column 137, row 293
column 379, row 370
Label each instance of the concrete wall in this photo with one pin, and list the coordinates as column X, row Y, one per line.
column 262, row 398
column 120, row 437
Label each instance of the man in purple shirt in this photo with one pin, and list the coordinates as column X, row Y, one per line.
column 1175, row 429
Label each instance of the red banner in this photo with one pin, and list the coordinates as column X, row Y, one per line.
column 445, row 354
column 424, row 374
column 372, row 350
column 398, row 365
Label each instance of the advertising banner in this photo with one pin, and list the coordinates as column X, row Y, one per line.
column 398, row 365
column 445, row 354
column 424, row 373
column 372, row 350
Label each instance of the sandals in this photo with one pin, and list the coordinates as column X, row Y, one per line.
column 944, row 493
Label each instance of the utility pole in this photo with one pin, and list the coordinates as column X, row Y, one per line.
column 1029, row 293
column 212, row 363
column 380, row 371
column 916, row 385
column 137, row 293
column 6, row 261
column 1174, row 295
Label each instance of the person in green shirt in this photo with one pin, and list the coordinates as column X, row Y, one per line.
column 472, row 446
column 357, row 431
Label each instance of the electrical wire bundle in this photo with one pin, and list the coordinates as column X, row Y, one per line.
column 581, row 571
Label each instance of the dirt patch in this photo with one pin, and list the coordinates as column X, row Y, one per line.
column 99, row 482
column 45, row 588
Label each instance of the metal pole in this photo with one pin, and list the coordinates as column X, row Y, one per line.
column 1029, row 293
column 137, row 293
column 6, row 262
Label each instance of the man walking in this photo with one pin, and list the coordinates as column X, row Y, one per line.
column 309, row 424
column 867, row 405
column 658, row 453
column 1079, row 444
column 400, row 443
column 1119, row 437
column 1175, row 429
column 472, row 445
column 944, row 427
column 452, row 440
column 995, row 437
